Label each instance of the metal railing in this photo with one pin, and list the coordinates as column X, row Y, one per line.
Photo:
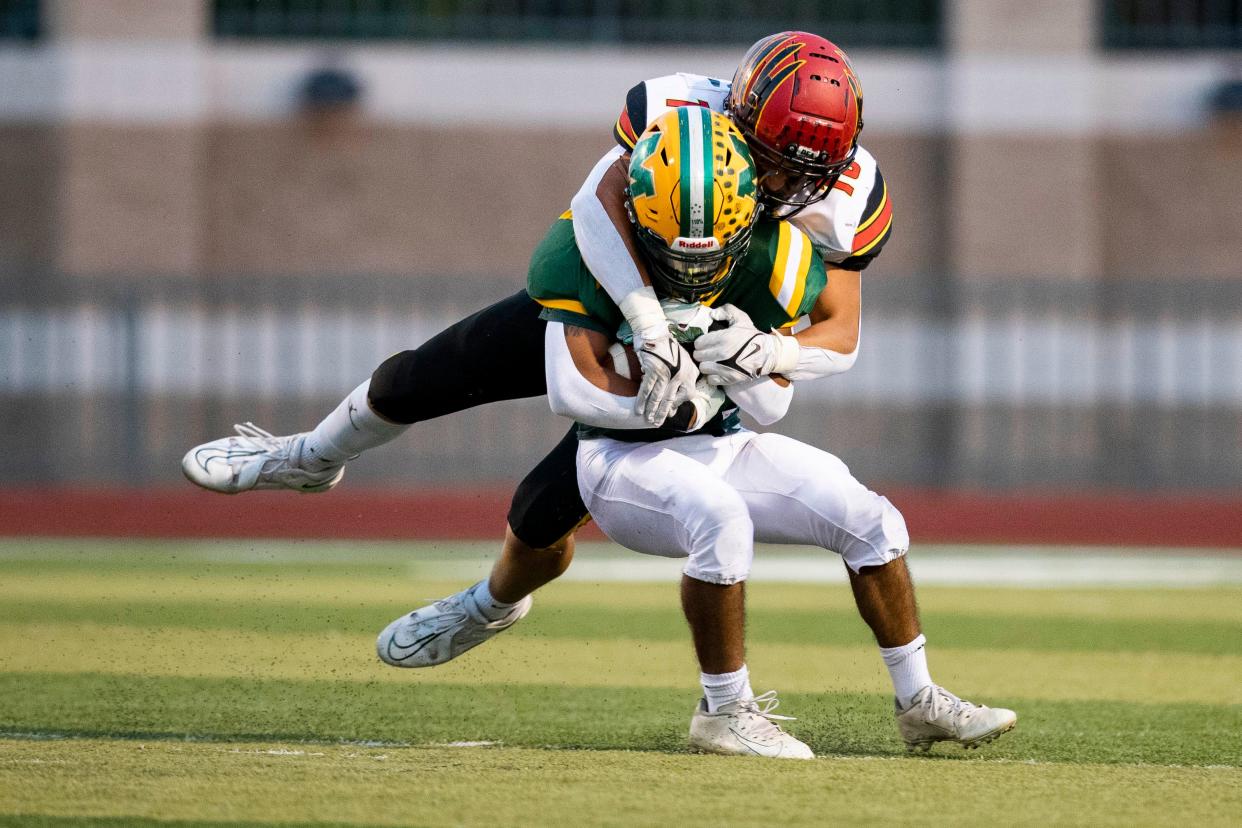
column 19, row 20
column 1011, row 383
column 854, row 23
column 1172, row 24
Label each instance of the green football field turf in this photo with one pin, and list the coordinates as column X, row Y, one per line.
column 236, row 683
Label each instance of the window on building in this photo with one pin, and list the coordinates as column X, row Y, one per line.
column 851, row 23
column 19, row 19
column 1172, row 24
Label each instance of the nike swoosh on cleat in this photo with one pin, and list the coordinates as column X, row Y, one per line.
column 202, row 462
column 223, row 457
column 418, row 645
column 750, row 744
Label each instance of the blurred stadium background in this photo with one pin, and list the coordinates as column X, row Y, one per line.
column 221, row 210
column 214, row 211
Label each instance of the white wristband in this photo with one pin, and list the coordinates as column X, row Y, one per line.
column 788, row 351
column 641, row 308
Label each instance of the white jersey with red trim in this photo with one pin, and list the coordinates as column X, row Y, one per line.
column 850, row 225
column 848, row 228
column 652, row 98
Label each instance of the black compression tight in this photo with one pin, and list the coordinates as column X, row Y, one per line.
column 492, row 355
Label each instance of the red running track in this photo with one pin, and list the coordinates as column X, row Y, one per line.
column 479, row 513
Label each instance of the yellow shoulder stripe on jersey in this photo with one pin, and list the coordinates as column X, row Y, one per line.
column 879, row 210
column 624, row 136
column 790, row 268
column 872, row 232
column 568, row 214
column 883, row 234
column 571, row 305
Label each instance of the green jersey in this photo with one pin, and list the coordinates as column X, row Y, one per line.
column 776, row 283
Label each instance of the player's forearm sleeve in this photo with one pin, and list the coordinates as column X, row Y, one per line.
column 762, row 399
column 599, row 241
column 572, row 395
column 813, row 363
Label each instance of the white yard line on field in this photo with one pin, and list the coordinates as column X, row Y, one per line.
column 957, row 564
column 991, row 566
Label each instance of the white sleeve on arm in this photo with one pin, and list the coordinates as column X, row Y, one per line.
column 605, row 254
column 762, row 399
column 572, row 395
column 814, row 363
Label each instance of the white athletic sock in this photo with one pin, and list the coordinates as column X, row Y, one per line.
column 488, row 606
column 349, row 430
column 907, row 666
column 722, row 688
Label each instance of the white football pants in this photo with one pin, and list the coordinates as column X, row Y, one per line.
column 710, row 499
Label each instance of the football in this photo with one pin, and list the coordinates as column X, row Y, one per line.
column 687, row 322
column 624, row 360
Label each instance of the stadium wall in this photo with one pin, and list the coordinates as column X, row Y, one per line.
column 148, row 157
column 1059, row 305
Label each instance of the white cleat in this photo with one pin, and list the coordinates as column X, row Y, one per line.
column 936, row 715
column 255, row 459
column 442, row 631
column 746, row 728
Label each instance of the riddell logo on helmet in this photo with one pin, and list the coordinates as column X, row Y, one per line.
column 806, row 153
column 683, row 243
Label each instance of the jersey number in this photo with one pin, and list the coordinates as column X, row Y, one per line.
column 673, row 103
column 852, row 171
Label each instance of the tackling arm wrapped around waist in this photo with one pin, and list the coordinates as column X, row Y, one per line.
column 602, row 413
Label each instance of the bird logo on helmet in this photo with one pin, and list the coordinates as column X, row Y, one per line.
column 692, row 199
column 798, row 102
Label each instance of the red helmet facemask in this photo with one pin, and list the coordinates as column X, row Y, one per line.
column 798, row 102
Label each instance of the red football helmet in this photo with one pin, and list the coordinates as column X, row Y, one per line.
column 798, row 102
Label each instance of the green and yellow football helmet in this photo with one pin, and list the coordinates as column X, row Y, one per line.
column 693, row 201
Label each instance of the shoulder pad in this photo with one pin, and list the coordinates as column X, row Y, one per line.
column 874, row 229
column 652, row 98
column 702, row 90
column 833, row 223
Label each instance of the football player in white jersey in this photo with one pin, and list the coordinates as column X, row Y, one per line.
column 798, row 102
column 803, row 156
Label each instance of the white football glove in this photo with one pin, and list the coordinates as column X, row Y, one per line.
column 741, row 351
column 669, row 373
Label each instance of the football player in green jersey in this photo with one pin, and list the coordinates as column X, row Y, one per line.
column 703, row 487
